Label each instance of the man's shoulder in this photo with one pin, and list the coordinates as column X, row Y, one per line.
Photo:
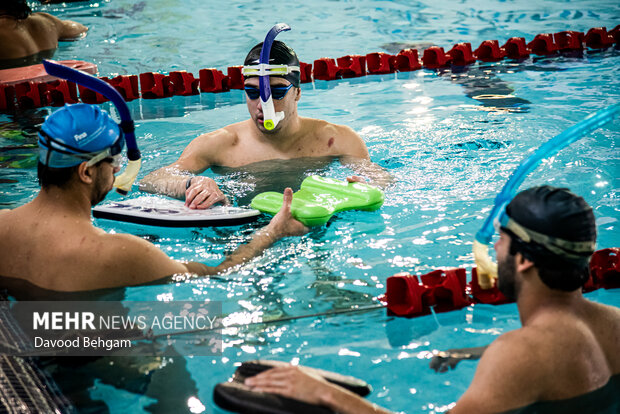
column 321, row 126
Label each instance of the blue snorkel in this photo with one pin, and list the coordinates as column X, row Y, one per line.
column 270, row 116
column 487, row 270
column 124, row 181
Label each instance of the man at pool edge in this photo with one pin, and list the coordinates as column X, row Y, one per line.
column 249, row 141
column 50, row 242
column 567, row 345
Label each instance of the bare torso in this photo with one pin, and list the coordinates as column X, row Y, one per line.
column 39, row 32
column 240, row 144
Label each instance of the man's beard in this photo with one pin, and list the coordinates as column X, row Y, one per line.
column 506, row 272
column 101, row 189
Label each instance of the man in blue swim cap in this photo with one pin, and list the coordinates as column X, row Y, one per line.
column 51, row 242
column 249, row 141
column 567, row 347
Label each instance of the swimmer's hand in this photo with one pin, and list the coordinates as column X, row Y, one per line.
column 284, row 224
column 442, row 361
column 291, row 382
column 203, row 192
column 356, row 179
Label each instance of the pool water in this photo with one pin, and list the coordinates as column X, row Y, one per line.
column 450, row 139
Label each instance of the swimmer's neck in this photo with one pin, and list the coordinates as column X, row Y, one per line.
column 65, row 202
column 536, row 299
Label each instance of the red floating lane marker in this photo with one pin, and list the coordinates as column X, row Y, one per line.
column 406, row 61
column 598, row 38
column 615, row 33
column 434, row 57
column 235, row 77
column 7, row 97
column 461, row 54
column 605, row 269
column 489, row 51
column 379, row 63
column 447, row 289
column 306, row 72
column 127, row 86
column 91, row 97
column 405, row 295
column 213, row 80
column 325, row 69
column 183, row 83
column 543, row 45
column 351, row 66
column 154, row 85
column 489, row 296
column 30, row 95
column 60, row 92
column 516, row 48
column 568, row 40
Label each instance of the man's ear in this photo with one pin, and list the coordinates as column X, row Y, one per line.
column 522, row 264
column 298, row 96
column 86, row 173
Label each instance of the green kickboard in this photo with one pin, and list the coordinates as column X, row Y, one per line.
column 320, row 198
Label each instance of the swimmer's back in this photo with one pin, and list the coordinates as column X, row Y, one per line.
column 38, row 32
column 561, row 353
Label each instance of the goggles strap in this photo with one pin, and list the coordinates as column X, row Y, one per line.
column 561, row 247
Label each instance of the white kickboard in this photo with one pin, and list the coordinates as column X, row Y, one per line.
column 166, row 212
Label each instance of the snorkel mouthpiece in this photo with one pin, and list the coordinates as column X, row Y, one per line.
column 487, row 270
column 124, row 181
column 271, row 118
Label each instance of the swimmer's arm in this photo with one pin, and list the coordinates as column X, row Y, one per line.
column 442, row 361
column 66, row 29
column 375, row 174
column 506, row 377
column 281, row 225
column 173, row 179
column 354, row 154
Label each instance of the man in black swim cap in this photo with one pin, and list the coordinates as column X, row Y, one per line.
column 252, row 141
column 567, row 346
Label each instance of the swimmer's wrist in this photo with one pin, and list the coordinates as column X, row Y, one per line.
column 188, row 183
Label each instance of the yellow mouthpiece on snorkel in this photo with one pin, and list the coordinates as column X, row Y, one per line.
column 269, row 125
column 486, row 268
column 124, row 181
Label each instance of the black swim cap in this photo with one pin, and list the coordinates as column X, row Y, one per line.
column 280, row 54
column 18, row 9
column 560, row 232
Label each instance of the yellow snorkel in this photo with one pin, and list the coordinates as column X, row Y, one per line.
column 487, row 269
column 124, row 181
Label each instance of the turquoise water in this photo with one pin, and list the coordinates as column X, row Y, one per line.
column 447, row 137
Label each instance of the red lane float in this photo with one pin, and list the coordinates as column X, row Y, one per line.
column 445, row 290
column 36, row 73
column 29, row 88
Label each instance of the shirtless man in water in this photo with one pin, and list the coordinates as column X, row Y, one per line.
column 51, row 242
column 567, row 346
column 27, row 38
column 249, row 141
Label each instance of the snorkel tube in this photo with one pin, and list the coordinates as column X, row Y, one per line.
column 487, row 269
column 124, row 181
column 270, row 116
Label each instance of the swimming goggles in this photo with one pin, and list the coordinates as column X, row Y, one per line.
column 265, row 69
column 51, row 145
column 565, row 248
column 277, row 92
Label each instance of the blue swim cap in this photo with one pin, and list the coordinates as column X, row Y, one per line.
column 76, row 133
